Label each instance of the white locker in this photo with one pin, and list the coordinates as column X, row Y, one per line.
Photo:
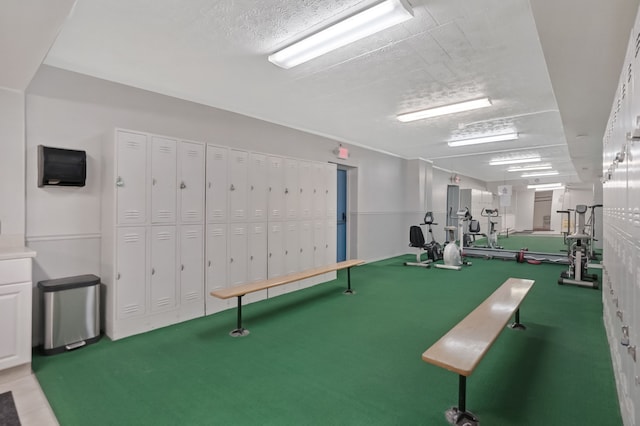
column 319, row 244
column 237, row 254
column 131, row 280
column 191, row 158
column 237, row 185
column 163, row 268
column 217, row 189
column 291, row 248
column 331, row 241
column 275, row 261
column 319, row 179
column 331, row 181
column 291, row 189
column 276, row 189
column 131, row 179
column 163, row 180
column 216, row 248
column 306, row 258
column 257, row 249
column 258, row 187
column 305, row 180
column 191, row 263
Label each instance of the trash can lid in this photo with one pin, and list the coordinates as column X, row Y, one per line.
column 68, row 283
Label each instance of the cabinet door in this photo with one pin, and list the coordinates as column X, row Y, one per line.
column 216, row 184
column 291, row 248
column 258, row 187
column 291, row 189
column 15, row 317
column 163, row 268
column 216, row 248
column 331, row 241
column 319, row 178
column 275, row 263
column 257, row 249
column 237, row 185
column 237, row 253
column 191, row 263
column 331, row 184
column 131, row 279
column 131, row 180
column 319, row 244
column 191, row 158
column 305, row 259
column 163, row 180
column 276, row 188
column 306, row 190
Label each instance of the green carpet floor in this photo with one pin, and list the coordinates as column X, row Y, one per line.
column 318, row 357
column 537, row 243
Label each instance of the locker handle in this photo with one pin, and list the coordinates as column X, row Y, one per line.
column 232, row 188
column 231, row 260
column 252, row 187
column 286, row 190
column 270, row 254
column 301, row 190
column 631, row 350
column 153, row 271
column 182, row 185
column 209, row 184
column 182, row 267
column 118, row 276
column 209, row 264
column 119, row 181
column 286, row 252
column 153, row 181
column 301, row 250
column 251, row 258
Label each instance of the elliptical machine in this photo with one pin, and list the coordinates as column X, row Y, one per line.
column 579, row 243
column 492, row 236
column 452, row 255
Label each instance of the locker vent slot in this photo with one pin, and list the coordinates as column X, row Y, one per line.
column 133, row 144
column 163, row 302
column 217, row 214
column 276, row 228
column 191, row 234
column 637, row 44
column 131, row 238
column 238, row 231
column 258, row 213
column 624, row 90
column 238, row 213
column 165, row 149
column 192, row 295
column 275, row 213
column 630, row 74
column 163, row 236
column 191, row 214
column 192, row 153
column 132, row 214
column 130, row 309
column 164, row 214
column 218, row 156
column 217, row 232
column 258, row 230
column 240, row 160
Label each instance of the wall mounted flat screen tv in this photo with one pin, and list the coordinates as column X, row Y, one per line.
column 61, row 167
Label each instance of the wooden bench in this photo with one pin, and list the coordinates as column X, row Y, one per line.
column 462, row 348
column 241, row 290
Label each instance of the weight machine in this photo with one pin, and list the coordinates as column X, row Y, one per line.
column 579, row 248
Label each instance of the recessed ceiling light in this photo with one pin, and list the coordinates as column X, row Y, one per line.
column 514, row 161
column 444, row 110
column 529, row 168
column 484, row 139
column 537, row 174
column 544, row 186
column 363, row 24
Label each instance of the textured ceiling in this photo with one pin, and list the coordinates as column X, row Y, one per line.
column 215, row 53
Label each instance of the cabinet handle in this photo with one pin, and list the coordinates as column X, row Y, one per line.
column 301, row 190
column 209, row 184
column 269, row 254
column 118, row 276
column 232, row 188
column 153, row 181
column 119, row 181
column 286, row 190
column 252, row 187
column 286, row 252
column 209, row 264
column 231, row 260
column 182, row 185
column 300, row 250
column 269, row 189
column 182, row 267
column 153, row 271
column 251, row 258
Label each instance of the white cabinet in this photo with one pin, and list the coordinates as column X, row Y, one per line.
column 275, row 262
column 130, row 276
column 163, row 268
column 238, row 185
column 237, row 254
column 319, row 243
column 291, row 248
column 163, row 180
column 331, row 242
column 291, row 189
column 258, row 187
column 331, row 183
column 276, row 189
column 305, row 179
column 216, row 184
column 131, row 178
column 216, row 266
column 15, row 312
column 191, row 264
column 257, row 250
column 319, row 194
column 305, row 259
column 191, row 160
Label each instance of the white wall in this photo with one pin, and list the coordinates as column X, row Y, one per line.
column 12, row 164
column 523, row 202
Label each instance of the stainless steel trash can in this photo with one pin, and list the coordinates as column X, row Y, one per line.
column 71, row 312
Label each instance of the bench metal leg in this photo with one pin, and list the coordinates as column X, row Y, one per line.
column 517, row 324
column 459, row 415
column 348, row 290
column 239, row 331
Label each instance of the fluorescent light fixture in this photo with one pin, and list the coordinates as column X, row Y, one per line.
column 514, row 161
column 484, row 139
column 444, row 110
column 537, row 174
column 545, row 186
column 529, row 168
column 363, row 24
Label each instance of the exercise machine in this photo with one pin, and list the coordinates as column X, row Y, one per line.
column 452, row 255
column 579, row 243
column 416, row 240
column 568, row 230
column 591, row 226
column 434, row 249
column 492, row 236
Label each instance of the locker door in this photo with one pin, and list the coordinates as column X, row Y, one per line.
column 291, row 189
column 216, row 184
column 319, row 244
column 237, row 185
column 275, row 241
column 131, row 279
column 131, row 178
column 237, row 254
column 163, row 180
column 191, row 263
column 305, row 259
column 305, row 210
column 257, row 249
column 319, row 191
column 191, row 157
column 291, row 248
column 276, row 188
column 331, row 184
column 258, row 187
column 331, row 242
column 163, row 268
column 216, row 265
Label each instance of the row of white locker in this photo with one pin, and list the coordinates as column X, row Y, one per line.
column 172, row 179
